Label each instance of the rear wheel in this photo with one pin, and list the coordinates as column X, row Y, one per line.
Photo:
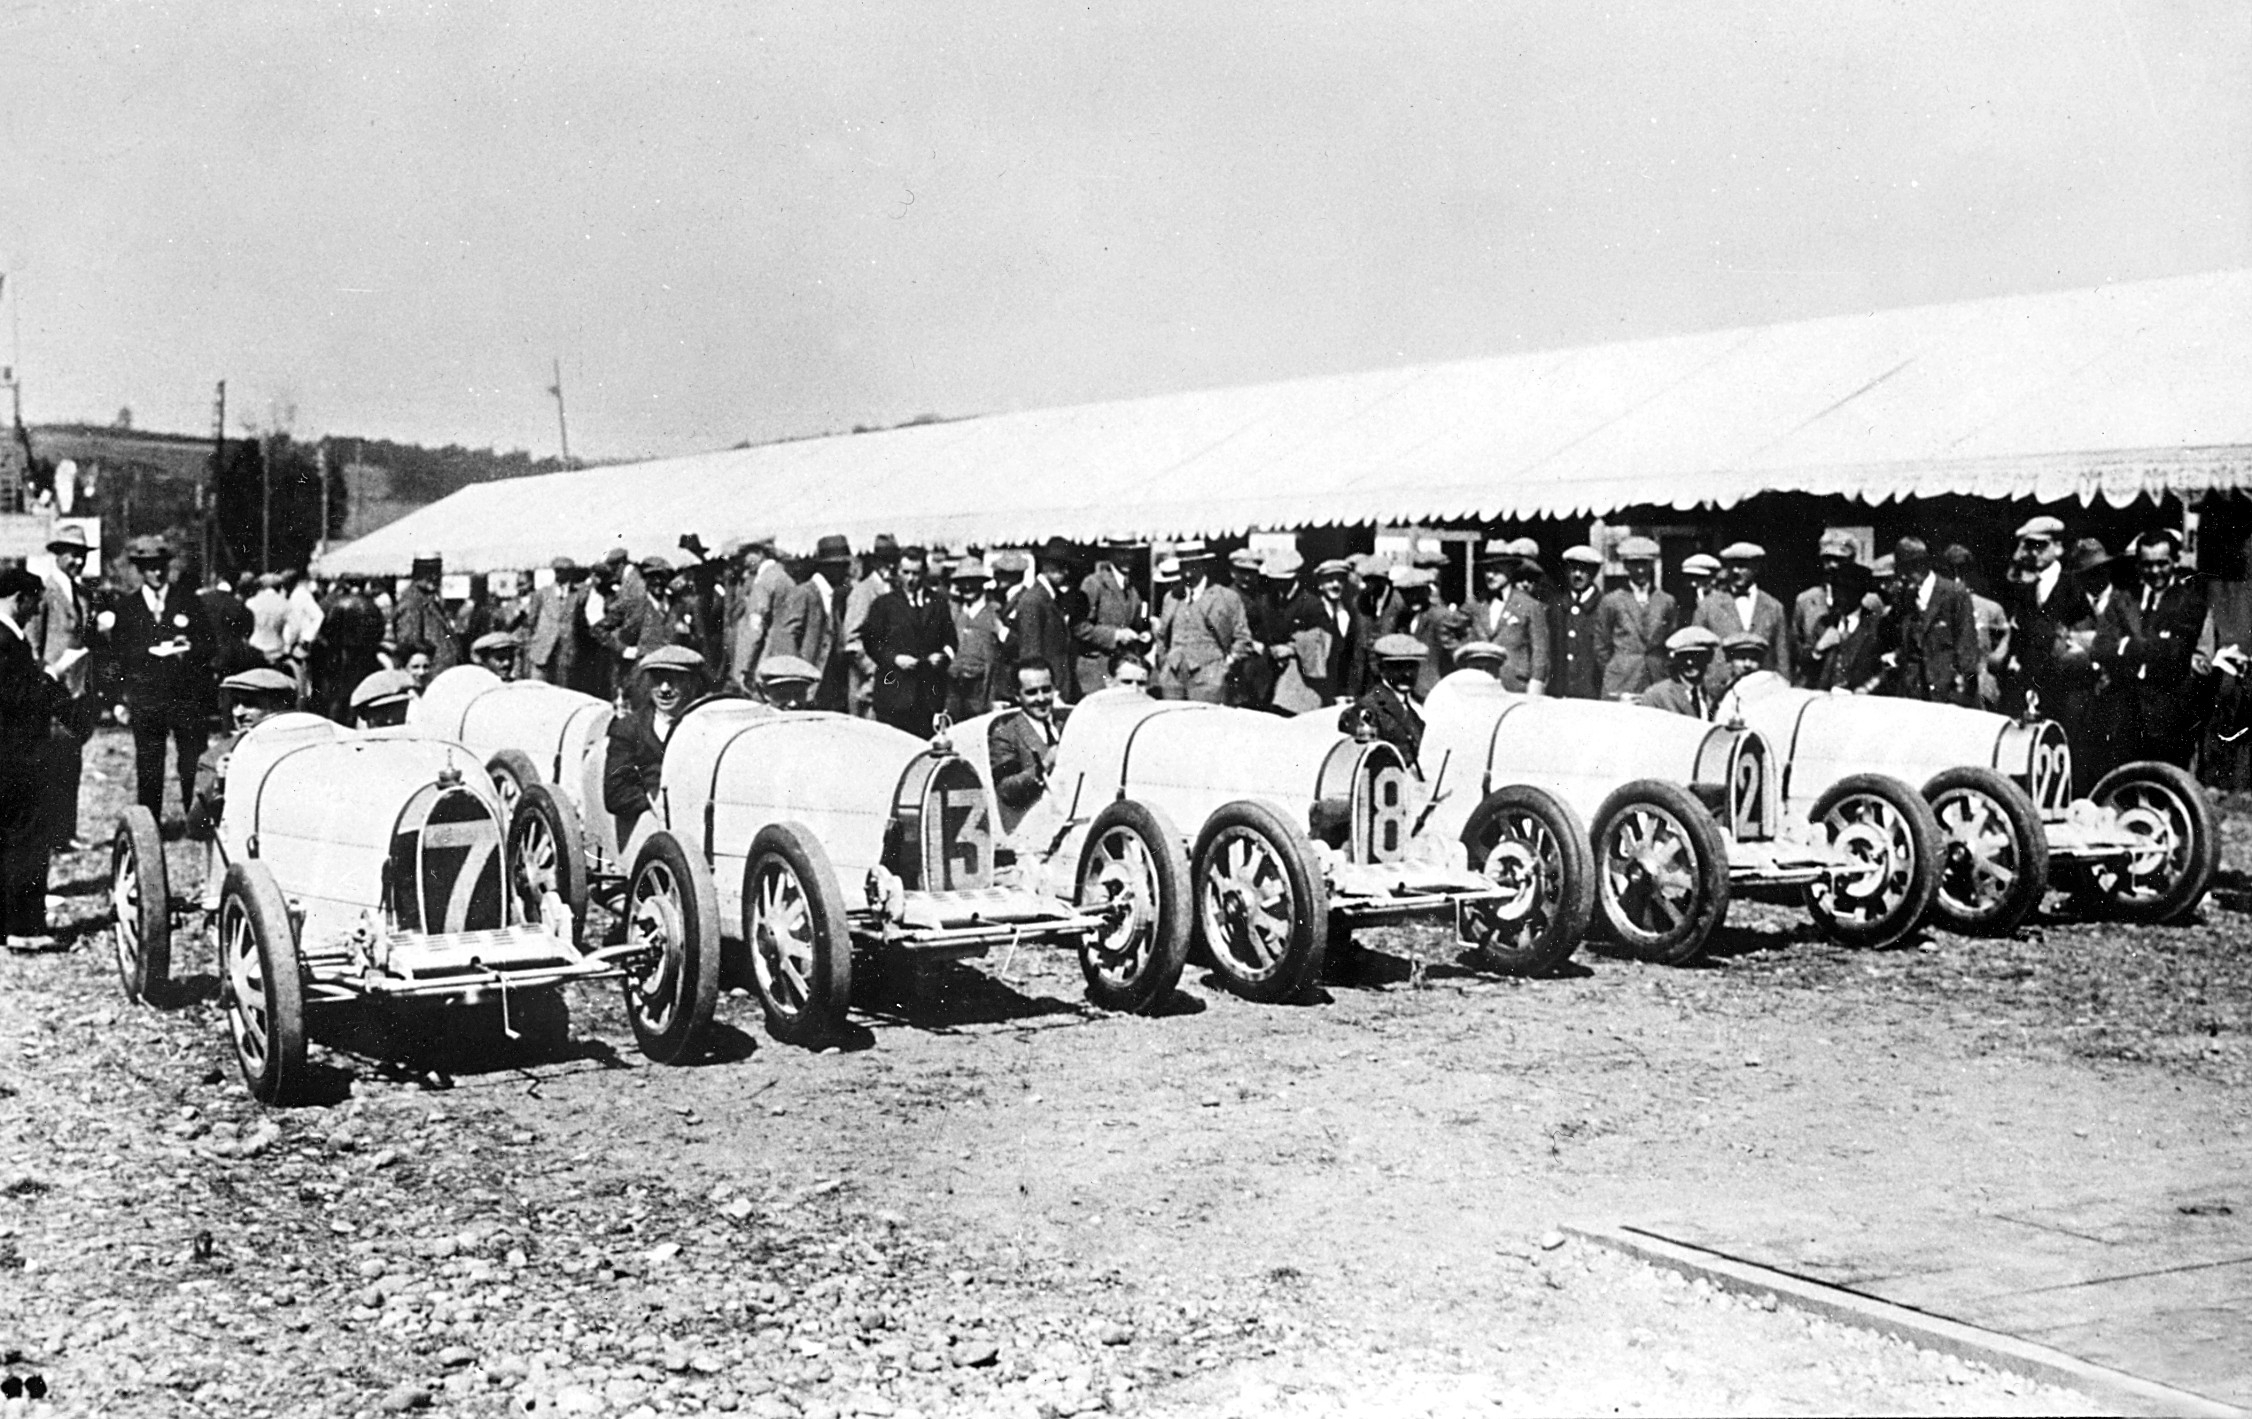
column 1262, row 904
column 2162, row 880
column 1661, row 870
column 140, row 893
column 798, row 936
column 672, row 909
column 263, row 994
column 1893, row 839
column 546, row 853
column 1134, row 870
column 1533, row 845
column 1997, row 855
column 511, row 771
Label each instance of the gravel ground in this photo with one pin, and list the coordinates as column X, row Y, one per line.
column 1235, row 1210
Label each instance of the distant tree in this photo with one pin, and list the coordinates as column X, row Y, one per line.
column 124, row 419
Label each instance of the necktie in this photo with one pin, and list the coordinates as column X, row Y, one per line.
column 1697, row 702
column 2150, row 599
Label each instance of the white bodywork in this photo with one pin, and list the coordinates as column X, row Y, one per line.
column 548, row 724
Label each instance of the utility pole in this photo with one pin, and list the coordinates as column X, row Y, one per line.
column 266, row 502
column 562, row 425
column 209, row 497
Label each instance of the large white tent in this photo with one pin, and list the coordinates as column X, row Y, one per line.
column 2112, row 392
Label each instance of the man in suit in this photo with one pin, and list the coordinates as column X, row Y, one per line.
column 1686, row 690
column 1204, row 633
column 1326, row 632
column 752, row 604
column 30, row 703
column 1439, row 626
column 2052, row 626
column 1632, row 623
column 1576, row 646
column 58, row 638
column 2145, row 646
column 666, row 680
column 1739, row 604
column 1940, row 648
column 1390, row 708
column 1818, row 607
column 1039, row 631
column 164, row 651
column 1116, row 617
column 807, row 626
column 421, row 616
column 878, row 574
column 977, row 642
column 548, row 644
column 909, row 634
column 1510, row 615
column 1849, row 654
column 1021, row 743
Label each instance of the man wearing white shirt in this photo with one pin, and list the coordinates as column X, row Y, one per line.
column 164, row 647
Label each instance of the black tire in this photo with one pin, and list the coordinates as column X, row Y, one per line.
column 261, row 991
column 547, row 853
column 1996, row 853
column 2167, row 807
column 672, row 906
column 1884, row 825
column 141, row 896
column 1133, row 858
column 1249, row 850
column 1661, row 871
column 797, row 935
column 1531, row 840
column 512, row 771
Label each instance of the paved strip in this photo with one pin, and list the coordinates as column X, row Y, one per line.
column 2132, row 1393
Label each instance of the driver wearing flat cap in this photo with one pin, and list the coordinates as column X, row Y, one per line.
column 252, row 696
column 1685, row 689
column 665, row 682
column 1389, row 709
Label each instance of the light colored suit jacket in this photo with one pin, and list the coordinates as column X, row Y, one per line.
column 1717, row 613
column 61, row 628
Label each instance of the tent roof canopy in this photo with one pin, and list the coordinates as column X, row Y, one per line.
column 2109, row 392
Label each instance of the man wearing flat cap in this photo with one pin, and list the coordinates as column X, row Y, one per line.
column 1940, row 648
column 663, row 683
column 498, row 652
column 1816, row 609
column 1739, row 604
column 420, row 616
column 1329, row 637
column 165, row 649
column 1576, row 647
column 2052, row 627
column 1116, row 618
column 1509, row 615
column 641, row 619
column 1687, row 688
column 1390, row 708
column 1204, row 634
column 1633, row 621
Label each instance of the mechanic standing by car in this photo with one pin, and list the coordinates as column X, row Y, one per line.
column 164, row 649
column 30, row 703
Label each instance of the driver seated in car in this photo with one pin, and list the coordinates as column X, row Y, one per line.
column 1750, row 676
column 1388, row 709
column 1477, row 661
column 252, row 696
column 380, row 700
column 785, row 681
column 1021, row 743
column 498, row 651
column 665, row 680
column 1688, row 655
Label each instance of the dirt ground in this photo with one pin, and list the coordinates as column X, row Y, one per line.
column 999, row 1201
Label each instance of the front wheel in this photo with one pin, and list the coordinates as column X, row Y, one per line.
column 1661, row 868
column 140, row 893
column 1997, row 854
column 672, row 910
column 1262, row 904
column 265, row 995
column 800, row 940
column 1530, row 843
column 2165, row 877
column 1893, row 839
column 1134, row 871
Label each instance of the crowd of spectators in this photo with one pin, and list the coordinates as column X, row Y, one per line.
column 2131, row 654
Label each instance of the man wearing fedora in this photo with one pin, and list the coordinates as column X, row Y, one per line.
column 1204, row 633
column 1039, row 632
column 164, row 648
column 58, row 638
column 1116, row 618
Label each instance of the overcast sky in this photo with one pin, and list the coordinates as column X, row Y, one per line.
column 743, row 221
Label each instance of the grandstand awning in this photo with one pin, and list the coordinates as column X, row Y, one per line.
column 2109, row 393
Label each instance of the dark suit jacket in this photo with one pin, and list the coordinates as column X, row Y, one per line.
column 183, row 683
column 29, row 704
column 1673, row 697
column 1342, row 673
column 1014, row 747
column 1577, row 648
column 2036, row 636
column 2151, row 648
column 1039, row 635
column 1395, row 719
column 1940, row 646
column 635, row 767
column 1855, row 662
column 896, row 627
